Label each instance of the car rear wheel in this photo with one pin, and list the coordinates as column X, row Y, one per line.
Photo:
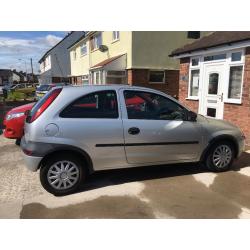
column 220, row 156
column 62, row 175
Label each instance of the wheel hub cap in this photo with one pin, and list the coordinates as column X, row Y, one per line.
column 222, row 156
column 63, row 175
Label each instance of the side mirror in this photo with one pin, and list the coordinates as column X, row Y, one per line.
column 191, row 116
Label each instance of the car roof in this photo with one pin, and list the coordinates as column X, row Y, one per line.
column 106, row 86
column 79, row 90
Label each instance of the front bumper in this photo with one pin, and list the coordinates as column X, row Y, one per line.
column 241, row 146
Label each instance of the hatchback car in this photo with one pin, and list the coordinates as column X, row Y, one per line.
column 14, row 122
column 73, row 131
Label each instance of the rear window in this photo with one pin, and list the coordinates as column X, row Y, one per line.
column 101, row 104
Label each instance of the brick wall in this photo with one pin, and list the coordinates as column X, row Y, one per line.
column 240, row 114
column 183, row 85
column 140, row 77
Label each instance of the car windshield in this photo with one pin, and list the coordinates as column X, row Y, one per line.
column 44, row 87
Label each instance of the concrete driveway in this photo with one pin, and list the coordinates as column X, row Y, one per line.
column 183, row 191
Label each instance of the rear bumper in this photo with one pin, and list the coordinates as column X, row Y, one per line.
column 32, row 162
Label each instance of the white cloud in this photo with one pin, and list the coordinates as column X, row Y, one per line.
column 12, row 49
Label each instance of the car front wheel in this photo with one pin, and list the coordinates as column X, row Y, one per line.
column 220, row 157
column 62, row 175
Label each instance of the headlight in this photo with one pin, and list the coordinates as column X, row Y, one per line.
column 14, row 115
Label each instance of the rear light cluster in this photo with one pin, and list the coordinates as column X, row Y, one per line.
column 45, row 103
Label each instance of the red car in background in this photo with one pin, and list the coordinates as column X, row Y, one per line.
column 14, row 122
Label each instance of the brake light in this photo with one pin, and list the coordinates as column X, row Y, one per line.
column 46, row 104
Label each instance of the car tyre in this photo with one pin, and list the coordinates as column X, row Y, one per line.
column 18, row 142
column 62, row 175
column 220, row 156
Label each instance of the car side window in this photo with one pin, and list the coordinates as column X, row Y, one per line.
column 150, row 106
column 101, row 104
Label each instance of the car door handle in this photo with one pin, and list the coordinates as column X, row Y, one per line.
column 134, row 131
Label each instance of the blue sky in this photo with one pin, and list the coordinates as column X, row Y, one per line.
column 25, row 45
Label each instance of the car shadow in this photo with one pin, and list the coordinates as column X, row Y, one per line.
column 120, row 176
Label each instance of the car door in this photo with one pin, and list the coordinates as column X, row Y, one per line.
column 155, row 129
column 94, row 122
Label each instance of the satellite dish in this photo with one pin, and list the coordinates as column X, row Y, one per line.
column 103, row 48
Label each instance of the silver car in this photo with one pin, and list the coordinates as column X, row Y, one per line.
column 73, row 131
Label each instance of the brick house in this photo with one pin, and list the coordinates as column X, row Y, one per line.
column 129, row 57
column 215, row 77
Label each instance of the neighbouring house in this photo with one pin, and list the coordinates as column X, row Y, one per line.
column 22, row 75
column 55, row 63
column 215, row 77
column 8, row 76
column 129, row 57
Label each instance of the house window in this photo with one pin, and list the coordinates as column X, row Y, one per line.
column 194, row 34
column 194, row 83
column 156, row 76
column 84, row 49
column 116, row 77
column 215, row 57
column 236, row 56
column 85, row 79
column 235, row 82
column 74, row 54
column 116, row 35
column 195, row 62
column 96, row 41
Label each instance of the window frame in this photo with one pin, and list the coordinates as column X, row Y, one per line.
column 157, row 70
column 94, row 46
column 92, row 93
column 195, row 67
column 232, row 64
column 125, row 112
column 84, row 44
column 116, row 37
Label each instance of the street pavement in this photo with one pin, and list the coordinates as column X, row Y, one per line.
column 180, row 191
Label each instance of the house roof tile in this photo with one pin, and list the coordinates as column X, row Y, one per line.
column 212, row 40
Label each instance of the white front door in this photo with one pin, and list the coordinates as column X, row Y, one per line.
column 212, row 95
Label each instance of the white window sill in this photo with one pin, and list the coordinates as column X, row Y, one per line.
column 192, row 98
column 84, row 55
column 239, row 102
column 116, row 40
